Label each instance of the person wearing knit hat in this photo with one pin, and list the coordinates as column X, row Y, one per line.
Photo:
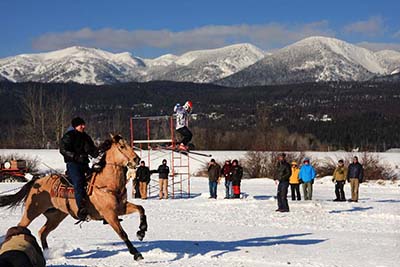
column 77, row 121
column 76, row 146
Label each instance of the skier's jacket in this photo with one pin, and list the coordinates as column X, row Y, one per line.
column 19, row 238
column 340, row 174
column 182, row 116
column 75, row 146
column 307, row 173
column 163, row 171
column 355, row 171
column 294, row 178
column 214, row 171
column 226, row 171
column 143, row 174
column 283, row 171
column 237, row 174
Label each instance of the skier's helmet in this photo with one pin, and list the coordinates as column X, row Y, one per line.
column 188, row 105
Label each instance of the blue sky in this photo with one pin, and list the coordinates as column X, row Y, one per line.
column 152, row 28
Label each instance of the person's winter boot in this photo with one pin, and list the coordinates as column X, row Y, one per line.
column 182, row 147
column 82, row 213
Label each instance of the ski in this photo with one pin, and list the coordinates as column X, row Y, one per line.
column 185, row 152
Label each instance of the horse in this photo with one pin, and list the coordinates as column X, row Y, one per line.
column 107, row 197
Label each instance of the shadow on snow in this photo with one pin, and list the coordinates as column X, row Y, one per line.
column 353, row 209
column 192, row 248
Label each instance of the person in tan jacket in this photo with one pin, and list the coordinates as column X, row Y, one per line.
column 20, row 248
column 294, row 181
column 339, row 178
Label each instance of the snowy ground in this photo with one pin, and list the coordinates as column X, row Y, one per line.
column 243, row 232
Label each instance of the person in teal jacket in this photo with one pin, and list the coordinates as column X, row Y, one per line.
column 307, row 175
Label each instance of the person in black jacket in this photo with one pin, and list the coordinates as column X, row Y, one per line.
column 237, row 174
column 163, row 171
column 143, row 177
column 283, row 173
column 76, row 146
column 355, row 176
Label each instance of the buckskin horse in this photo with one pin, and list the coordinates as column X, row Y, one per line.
column 107, row 197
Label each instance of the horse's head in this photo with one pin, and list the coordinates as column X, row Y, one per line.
column 123, row 153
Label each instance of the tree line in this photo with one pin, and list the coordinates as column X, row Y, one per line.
column 285, row 117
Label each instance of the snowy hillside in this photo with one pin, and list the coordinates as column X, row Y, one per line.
column 74, row 64
column 313, row 59
column 204, row 65
column 242, row 232
column 390, row 60
column 95, row 66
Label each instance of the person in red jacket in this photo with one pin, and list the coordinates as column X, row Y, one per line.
column 226, row 171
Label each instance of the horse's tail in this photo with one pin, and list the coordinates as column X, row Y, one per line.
column 14, row 200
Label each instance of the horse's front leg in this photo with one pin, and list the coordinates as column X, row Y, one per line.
column 131, row 208
column 112, row 219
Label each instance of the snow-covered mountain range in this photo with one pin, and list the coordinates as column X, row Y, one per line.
column 316, row 59
column 311, row 59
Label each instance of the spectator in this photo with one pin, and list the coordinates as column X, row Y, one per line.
column 214, row 171
column 227, row 173
column 307, row 175
column 283, row 172
column 355, row 175
column 131, row 174
column 237, row 174
column 136, row 187
column 295, row 182
column 163, row 171
column 143, row 177
column 20, row 249
column 339, row 178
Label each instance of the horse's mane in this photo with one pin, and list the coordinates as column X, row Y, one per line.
column 106, row 145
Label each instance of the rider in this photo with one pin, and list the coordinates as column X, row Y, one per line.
column 182, row 121
column 75, row 146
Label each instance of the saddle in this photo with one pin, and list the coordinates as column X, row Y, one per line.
column 63, row 188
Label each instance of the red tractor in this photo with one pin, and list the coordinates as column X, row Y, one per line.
column 13, row 171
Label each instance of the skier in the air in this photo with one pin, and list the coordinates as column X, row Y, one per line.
column 182, row 121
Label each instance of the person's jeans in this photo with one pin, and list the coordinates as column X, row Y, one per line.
column 76, row 172
column 213, row 189
column 282, row 195
column 295, row 189
column 228, row 189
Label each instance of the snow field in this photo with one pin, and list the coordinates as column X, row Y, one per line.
column 236, row 232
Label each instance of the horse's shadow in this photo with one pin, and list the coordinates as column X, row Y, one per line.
column 191, row 248
column 92, row 254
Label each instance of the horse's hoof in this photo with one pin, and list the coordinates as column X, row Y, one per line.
column 138, row 257
column 143, row 227
column 140, row 235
